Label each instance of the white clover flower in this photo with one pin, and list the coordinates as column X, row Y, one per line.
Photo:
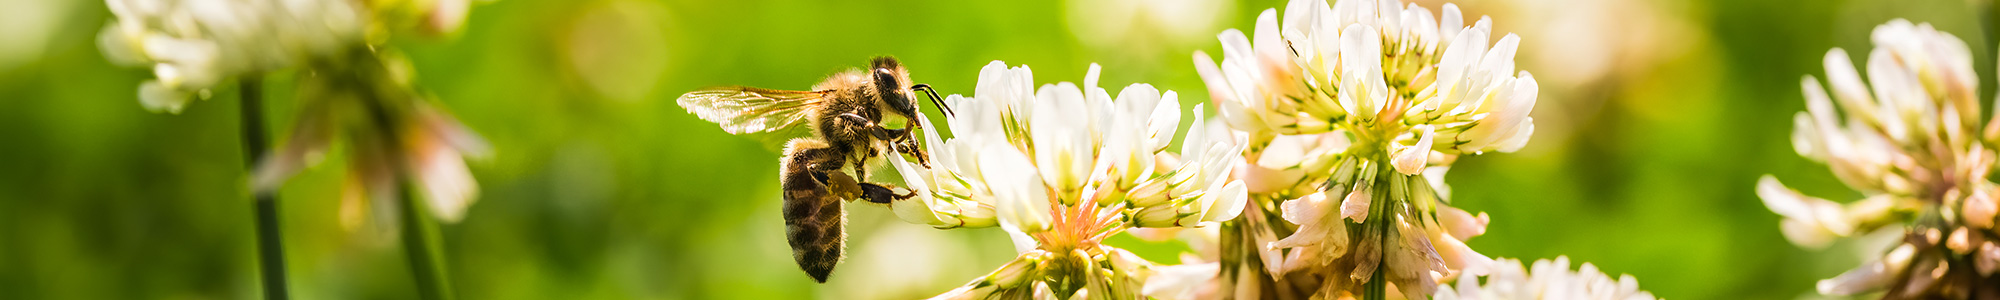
column 1908, row 142
column 1354, row 111
column 1065, row 166
column 359, row 92
column 1546, row 280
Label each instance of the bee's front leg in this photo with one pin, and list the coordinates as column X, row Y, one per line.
column 911, row 147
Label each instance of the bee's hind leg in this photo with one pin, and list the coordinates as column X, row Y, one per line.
column 883, row 193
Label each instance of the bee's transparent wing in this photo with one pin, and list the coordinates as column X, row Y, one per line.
column 743, row 110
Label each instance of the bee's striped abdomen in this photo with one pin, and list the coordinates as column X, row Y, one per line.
column 814, row 219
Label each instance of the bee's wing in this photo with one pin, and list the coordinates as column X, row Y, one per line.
column 743, row 110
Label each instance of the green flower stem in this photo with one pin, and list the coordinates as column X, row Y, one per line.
column 420, row 242
column 1377, row 286
column 270, row 248
column 419, row 234
column 1991, row 30
column 1381, row 207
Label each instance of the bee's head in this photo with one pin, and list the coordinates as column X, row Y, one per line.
column 892, row 81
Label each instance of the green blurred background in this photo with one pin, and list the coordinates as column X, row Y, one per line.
column 1654, row 122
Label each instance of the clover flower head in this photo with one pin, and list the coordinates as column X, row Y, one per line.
column 1908, row 140
column 1379, row 70
column 1064, row 166
column 1354, row 111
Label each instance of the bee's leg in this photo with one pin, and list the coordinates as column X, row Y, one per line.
column 861, row 167
column 883, row 193
column 909, row 146
column 814, row 219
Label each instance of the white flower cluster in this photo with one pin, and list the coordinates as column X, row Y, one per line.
column 194, row 45
column 1375, row 67
column 1548, row 280
column 1363, row 76
column 1065, row 166
column 1910, row 143
column 1354, row 110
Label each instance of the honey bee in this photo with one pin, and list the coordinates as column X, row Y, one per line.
column 847, row 114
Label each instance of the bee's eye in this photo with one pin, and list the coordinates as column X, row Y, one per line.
column 887, row 79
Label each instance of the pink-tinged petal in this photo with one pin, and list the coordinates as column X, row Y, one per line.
column 1461, row 224
column 1411, row 160
column 1870, row 276
column 446, row 16
column 1459, row 257
column 1355, row 206
column 1979, row 208
column 1987, row 258
column 448, row 185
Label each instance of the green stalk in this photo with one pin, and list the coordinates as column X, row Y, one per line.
column 419, row 234
column 270, row 248
column 1377, row 287
column 420, row 243
column 1991, row 30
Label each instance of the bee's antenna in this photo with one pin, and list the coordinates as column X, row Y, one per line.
column 935, row 100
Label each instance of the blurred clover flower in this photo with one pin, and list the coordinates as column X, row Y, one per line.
column 351, row 86
column 1549, row 280
column 1061, row 168
column 1353, row 113
column 1911, row 146
column 195, row 45
column 393, row 135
